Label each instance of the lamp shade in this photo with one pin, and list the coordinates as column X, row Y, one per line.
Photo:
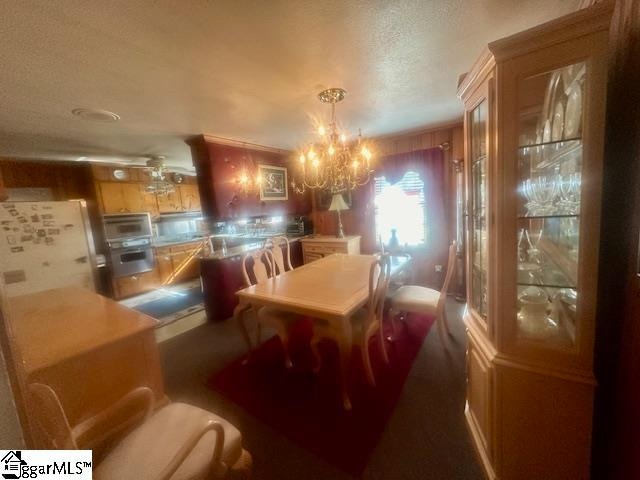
column 338, row 203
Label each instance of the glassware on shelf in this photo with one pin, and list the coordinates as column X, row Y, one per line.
column 540, row 193
column 534, row 314
column 570, row 193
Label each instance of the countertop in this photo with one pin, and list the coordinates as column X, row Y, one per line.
column 55, row 325
column 242, row 249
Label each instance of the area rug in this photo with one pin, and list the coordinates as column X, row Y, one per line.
column 307, row 407
column 174, row 305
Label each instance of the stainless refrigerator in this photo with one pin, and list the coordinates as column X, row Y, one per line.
column 45, row 245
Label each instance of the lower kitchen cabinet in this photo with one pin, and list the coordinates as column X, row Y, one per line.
column 170, row 258
column 135, row 284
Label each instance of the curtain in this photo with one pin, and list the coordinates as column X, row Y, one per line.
column 429, row 164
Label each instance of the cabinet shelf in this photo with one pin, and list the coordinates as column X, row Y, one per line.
column 553, row 143
column 560, row 215
column 543, row 156
column 544, row 285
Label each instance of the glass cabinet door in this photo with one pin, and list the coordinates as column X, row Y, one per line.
column 549, row 175
column 478, row 208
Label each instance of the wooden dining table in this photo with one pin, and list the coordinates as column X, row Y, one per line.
column 332, row 289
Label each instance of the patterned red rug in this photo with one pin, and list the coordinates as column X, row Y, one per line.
column 307, row 407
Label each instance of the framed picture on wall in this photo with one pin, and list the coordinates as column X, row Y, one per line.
column 273, row 185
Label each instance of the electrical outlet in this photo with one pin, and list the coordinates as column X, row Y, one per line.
column 439, row 268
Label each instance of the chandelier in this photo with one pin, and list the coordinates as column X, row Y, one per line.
column 158, row 184
column 332, row 163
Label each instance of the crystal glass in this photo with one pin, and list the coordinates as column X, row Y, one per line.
column 549, row 186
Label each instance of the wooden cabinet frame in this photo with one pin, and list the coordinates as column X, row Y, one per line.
column 529, row 402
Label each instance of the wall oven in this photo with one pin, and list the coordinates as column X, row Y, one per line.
column 129, row 240
column 130, row 225
column 129, row 257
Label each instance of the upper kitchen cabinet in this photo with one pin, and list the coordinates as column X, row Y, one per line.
column 534, row 133
column 170, row 203
column 122, row 190
column 190, row 198
column 122, row 197
column 219, row 167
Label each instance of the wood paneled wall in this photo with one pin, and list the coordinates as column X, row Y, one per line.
column 360, row 221
column 617, row 410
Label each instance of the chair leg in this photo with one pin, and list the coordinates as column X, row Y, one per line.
column 364, row 349
column 383, row 348
column 316, row 355
column 392, row 319
column 441, row 330
column 258, row 333
column 445, row 320
column 284, row 338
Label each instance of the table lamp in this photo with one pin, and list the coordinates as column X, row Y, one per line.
column 338, row 204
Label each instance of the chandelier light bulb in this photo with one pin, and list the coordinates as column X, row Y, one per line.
column 336, row 166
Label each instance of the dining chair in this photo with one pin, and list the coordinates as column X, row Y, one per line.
column 282, row 260
column 260, row 266
column 365, row 323
column 418, row 299
column 177, row 441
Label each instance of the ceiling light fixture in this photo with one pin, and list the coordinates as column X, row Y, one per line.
column 331, row 163
column 158, row 184
column 96, row 115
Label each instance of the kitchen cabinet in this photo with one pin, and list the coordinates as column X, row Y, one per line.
column 103, row 351
column 322, row 245
column 170, row 258
column 189, row 197
column 534, row 133
column 122, row 197
column 170, row 203
column 130, row 196
column 135, row 284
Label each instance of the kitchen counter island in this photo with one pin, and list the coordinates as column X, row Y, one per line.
column 90, row 349
column 221, row 274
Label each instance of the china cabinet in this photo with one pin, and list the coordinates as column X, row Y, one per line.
column 534, row 125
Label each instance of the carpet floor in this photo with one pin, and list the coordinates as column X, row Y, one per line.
column 424, row 438
column 307, row 407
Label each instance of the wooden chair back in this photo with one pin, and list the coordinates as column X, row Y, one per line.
column 49, row 418
column 451, row 267
column 379, row 276
column 282, row 261
column 261, row 268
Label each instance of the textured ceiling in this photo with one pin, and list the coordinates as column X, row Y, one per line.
column 247, row 70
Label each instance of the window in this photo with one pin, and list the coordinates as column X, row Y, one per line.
column 401, row 207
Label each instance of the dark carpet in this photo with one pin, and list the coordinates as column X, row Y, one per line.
column 425, row 437
column 307, row 408
column 173, row 302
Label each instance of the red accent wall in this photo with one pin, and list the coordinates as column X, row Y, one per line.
column 218, row 166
